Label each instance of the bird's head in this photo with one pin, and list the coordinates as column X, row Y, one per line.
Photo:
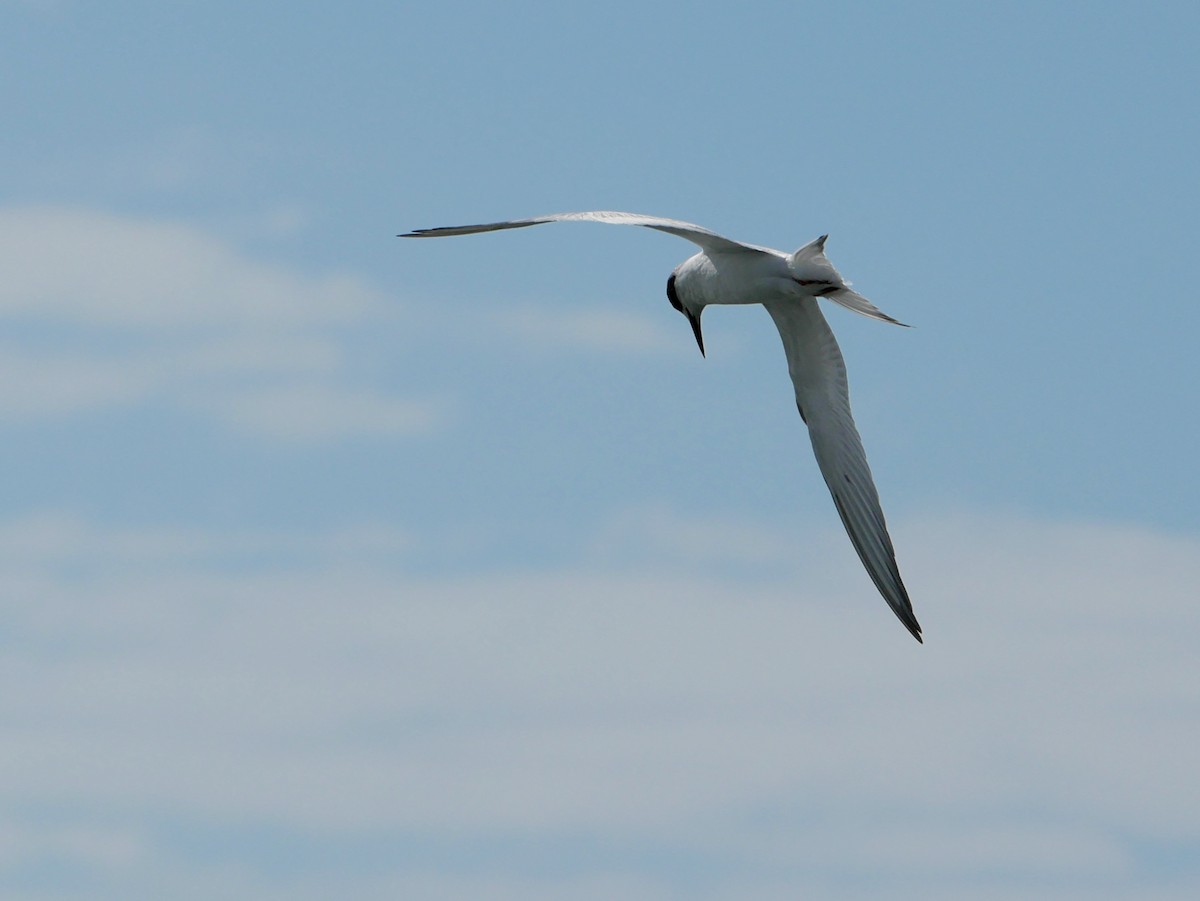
column 692, row 312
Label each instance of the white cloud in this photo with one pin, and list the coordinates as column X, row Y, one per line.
column 315, row 412
column 40, row 385
column 83, row 845
column 786, row 739
column 663, row 533
column 608, row 331
column 249, row 354
column 55, row 540
column 136, row 311
column 94, row 268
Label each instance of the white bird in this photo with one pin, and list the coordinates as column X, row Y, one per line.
column 788, row 285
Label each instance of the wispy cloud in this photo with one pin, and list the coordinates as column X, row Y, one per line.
column 773, row 737
column 129, row 311
column 664, row 534
column 94, row 268
column 60, row 541
column 315, row 412
column 598, row 331
column 55, row 384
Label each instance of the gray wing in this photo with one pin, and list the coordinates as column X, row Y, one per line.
column 819, row 377
column 696, row 234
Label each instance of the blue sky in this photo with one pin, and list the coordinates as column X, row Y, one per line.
column 336, row 565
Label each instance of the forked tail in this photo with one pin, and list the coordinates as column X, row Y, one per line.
column 812, row 270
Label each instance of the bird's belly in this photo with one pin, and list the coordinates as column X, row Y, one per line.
column 732, row 279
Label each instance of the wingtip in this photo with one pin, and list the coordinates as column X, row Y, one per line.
column 914, row 627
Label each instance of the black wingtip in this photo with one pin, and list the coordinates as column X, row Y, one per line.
column 910, row 623
column 890, row 320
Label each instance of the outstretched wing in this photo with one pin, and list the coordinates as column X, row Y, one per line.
column 819, row 377
column 708, row 240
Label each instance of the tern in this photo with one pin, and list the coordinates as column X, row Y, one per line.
column 788, row 285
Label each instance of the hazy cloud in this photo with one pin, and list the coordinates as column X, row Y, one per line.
column 777, row 737
column 596, row 330
column 315, row 412
column 89, row 267
column 54, row 384
column 659, row 532
column 127, row 311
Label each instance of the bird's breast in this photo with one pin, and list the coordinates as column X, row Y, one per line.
column 731, row 278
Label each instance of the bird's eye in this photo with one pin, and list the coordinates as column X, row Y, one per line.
column 671, row 295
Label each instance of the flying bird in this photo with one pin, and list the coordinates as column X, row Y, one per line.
column 788, row 285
